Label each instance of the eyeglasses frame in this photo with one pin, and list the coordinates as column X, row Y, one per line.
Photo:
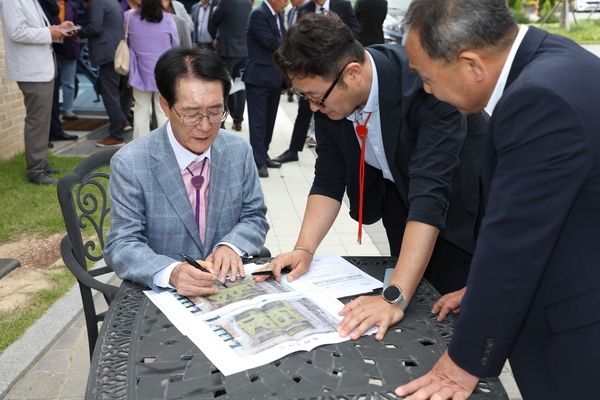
column 202, row 116
column 321, row 101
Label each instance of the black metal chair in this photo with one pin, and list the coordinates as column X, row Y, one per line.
column 85, row 206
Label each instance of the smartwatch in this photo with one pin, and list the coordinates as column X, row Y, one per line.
column 393, row 295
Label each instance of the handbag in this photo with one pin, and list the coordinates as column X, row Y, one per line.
column 122, row 57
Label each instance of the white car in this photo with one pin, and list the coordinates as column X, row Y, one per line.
column 392, row 31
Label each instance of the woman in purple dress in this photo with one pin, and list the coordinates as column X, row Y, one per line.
column 152, row 31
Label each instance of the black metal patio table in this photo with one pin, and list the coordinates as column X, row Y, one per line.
column 141, row 355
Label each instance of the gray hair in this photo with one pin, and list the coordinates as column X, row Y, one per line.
column 448, row 27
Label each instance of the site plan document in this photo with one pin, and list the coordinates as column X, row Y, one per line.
column 250, row 324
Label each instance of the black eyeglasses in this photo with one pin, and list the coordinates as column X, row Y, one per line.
column 194, row 119
column 321, row 101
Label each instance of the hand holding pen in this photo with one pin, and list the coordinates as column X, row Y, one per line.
column 193, row 263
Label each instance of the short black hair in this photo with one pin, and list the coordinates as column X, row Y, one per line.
column 318, row 45
column 189, row 62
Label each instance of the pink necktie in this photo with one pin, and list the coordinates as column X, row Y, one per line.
column 196, row 177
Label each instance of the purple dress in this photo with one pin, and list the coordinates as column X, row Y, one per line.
column 147, row 42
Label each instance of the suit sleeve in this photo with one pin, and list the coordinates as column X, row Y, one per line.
column 216, row 17
column 19, row 30
column 330, row 165
column 439, row 131
column 261, row 31
column 542, row 163
column 95, row 12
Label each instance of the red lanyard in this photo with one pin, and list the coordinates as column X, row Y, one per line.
column 361, row 131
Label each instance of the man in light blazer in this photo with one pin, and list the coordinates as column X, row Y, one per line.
column 533, row 293
column 263, row 80
column 30, row 61
column 151, row 179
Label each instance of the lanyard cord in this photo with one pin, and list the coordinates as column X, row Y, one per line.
column 361, row 131
column 197, row 182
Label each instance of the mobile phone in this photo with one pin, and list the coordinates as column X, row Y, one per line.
column 71, row 30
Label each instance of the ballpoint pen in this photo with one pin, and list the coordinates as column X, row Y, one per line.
column 193, row 262
column 269, row 272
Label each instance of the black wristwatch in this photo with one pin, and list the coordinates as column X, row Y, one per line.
column 393, row 295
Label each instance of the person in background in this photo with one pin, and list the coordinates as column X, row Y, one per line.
column 228, row 25
column 67, row 63
column 177, row 8
column 158, row 207
column 343, row 9
column 28, row 37
column 401, row 156
column 370, row 15
column 201, row 12
column 263, row 80
column 104, row 32
column 52, row 10
column 533, row 293
column 184, row 25
column 152, row 32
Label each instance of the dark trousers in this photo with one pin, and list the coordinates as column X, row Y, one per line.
column 449, row 266
column 109, row 83
column 262, row 111
column 55, row 122
column 301, row 125
column 236, row 101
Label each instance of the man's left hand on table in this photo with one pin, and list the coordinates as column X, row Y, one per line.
column 225, row 260
column 446, row 380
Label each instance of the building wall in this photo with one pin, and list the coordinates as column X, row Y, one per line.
column 12, row 113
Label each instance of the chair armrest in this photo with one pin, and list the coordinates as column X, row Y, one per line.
column 81, row 273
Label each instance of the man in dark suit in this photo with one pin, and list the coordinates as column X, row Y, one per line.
column 343, row 8
column 201, row 13
column 228, row 24
column 263, row 80
column 533, row 294
column 104, row 32
column 370, row 15
column 410, row 161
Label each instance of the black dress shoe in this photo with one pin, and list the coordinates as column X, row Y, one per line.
column 43, row 179
column 50, row 145
column 263, row 172
column 273, row 164
column 237, row 127
column 286, row 156
column 49, row 170
column 63, row 136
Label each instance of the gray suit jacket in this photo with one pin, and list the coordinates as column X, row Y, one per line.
column 104, row 30
column 151, row 216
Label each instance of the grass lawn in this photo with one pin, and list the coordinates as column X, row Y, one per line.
column 31, row 210
column 27, row 209
column 582, row 32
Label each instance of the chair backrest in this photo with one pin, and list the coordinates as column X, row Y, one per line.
column 85, row 206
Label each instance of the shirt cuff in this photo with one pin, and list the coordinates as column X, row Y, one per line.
column 161, row 278
column 238, row 251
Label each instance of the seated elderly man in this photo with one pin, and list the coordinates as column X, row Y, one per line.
column 187, row 186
